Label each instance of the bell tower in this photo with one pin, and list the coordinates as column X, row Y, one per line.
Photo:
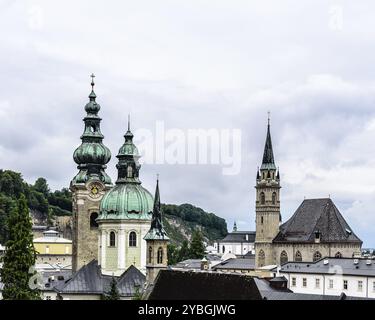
column 89, row 185
column 267, row 205
column 157, row 242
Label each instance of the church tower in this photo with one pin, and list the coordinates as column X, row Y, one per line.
column 125, row 215
column 89, row 185
column 267, row 205
column 157, row 241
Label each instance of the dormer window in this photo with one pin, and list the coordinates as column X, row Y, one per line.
column 317, row 236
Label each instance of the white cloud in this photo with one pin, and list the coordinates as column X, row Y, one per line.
column 195, row 64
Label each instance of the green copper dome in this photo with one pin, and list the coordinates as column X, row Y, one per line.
column 128, row 199
column 93, row 153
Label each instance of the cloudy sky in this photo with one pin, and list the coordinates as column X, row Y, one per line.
column 199, row 65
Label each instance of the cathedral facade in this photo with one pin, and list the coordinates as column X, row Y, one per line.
column 316, row 230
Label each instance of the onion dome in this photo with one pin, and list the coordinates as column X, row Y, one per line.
column 128, row 199
column 92, row 155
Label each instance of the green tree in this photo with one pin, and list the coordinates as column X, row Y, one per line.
column 20, row 256
column 6, row 204
column 173, row 254
column 41, row 186
column 137, row 293
column 197, row 246
column 113, row 293
column 184, row 252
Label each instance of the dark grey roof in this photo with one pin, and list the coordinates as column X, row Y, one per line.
column 316, row 215
column 182, row 285
column 195, row 264
column 89, row 280
column 345, row 266
column 239, row 236
column 59, row 279
column 238, row 263
column 279, row 279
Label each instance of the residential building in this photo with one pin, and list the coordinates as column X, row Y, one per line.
column 236, row 242
column 331, row 276
column 52, row 249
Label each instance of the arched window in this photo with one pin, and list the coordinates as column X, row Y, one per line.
column 160, row 255
column 338, row 255
column 261, row 220
column 298, row 257
column 274, row 198
column 261, row 258
column 130, row 172
column 93, row 223
column 112, row 239
column 283, row 257
column 149, row 254
column 223, row 249
column 132, row 239
column 317, row 256
column 262, row 198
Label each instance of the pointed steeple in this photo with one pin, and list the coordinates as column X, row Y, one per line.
column 156, row 231
column 268, row 159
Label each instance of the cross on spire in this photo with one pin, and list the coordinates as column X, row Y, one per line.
column 92, row 81
column 269, row 117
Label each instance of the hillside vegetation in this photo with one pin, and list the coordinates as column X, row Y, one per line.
column 179, row 220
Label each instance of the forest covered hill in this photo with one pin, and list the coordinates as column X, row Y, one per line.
column 179, row 220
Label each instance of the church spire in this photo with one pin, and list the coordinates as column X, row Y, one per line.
column 156, row 231
column 92, row 155
column 128, row 166
column 268, row 159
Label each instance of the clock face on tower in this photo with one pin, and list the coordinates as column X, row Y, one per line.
column 95, row 189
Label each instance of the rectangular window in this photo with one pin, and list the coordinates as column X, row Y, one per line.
column 304, row 282
column 317, row 283
column 345, row 285
column 360, row 285
column 373, row 286
column 330, row 283
column 294, row 282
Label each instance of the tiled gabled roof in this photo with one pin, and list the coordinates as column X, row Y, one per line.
column 89, row 280
column 239, row 236
column 316, row 215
